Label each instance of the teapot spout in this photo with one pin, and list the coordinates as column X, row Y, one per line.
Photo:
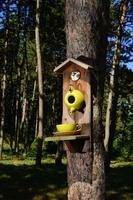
column 72, row 109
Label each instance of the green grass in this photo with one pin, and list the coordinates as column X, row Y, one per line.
column 21, row 180
column 120, row 181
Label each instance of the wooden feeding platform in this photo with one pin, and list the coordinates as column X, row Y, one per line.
column 66, row 137
column 73, row 143
column 63, row 136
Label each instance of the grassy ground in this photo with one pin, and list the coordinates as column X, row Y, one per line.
column 21, row 180
column 120, row 181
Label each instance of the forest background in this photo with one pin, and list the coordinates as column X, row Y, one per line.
column 19, row 83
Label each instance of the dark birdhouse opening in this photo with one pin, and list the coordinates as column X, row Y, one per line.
column 71, row 99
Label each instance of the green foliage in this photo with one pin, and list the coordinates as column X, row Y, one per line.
column 21, row 47
column 123, row 140
column 123, row 144
column 31, row 54
column 48, row 148
column 53, row 33
column 123, row 137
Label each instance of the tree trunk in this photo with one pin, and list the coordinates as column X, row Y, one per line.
column 113, row 92
column 3, row 83
column 18, row 110
column 25, row 116
column 59, row 154
column 86, row 27
column 18, row 84
column 2, row 122
column 34, row 89
column 40, row 85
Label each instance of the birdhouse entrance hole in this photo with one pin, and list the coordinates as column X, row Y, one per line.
column 71, row 99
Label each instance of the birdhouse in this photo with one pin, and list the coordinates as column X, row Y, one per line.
column 76, row 104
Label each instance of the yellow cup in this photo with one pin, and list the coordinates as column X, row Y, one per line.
column 66, row 127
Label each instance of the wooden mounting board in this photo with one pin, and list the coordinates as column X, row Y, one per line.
column 63, row 138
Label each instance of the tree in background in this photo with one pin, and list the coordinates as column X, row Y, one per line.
column 110, row 124
column 4, row 80
column 40, row 86
column 122, row 145
column 20, row 73
column 21, row 93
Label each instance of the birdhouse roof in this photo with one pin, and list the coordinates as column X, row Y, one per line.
column 70, row 61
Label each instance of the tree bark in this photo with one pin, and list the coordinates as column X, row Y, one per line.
column 113, row 88
column 40, row 85
column 86, row 26
column 2, row 119
column 18, row 110
column 3, row 82
column 59, row 154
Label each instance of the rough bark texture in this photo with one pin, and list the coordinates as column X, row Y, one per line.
column 86, row 39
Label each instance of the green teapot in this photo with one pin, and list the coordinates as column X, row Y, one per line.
column 74, row 99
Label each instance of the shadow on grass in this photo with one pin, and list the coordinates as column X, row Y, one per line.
column 28, row 182
column 120, row 183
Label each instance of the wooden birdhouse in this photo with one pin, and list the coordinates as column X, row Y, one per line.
column 76, row 102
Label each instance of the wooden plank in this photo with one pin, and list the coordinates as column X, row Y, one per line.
column 63, row 138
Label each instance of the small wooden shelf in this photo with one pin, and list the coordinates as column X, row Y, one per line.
column 66, row 138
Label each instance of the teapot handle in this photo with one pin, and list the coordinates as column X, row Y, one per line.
column 78, row 127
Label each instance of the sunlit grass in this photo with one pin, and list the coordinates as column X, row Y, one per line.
column 14, row 160
column 21, row 180
column 115, row 164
